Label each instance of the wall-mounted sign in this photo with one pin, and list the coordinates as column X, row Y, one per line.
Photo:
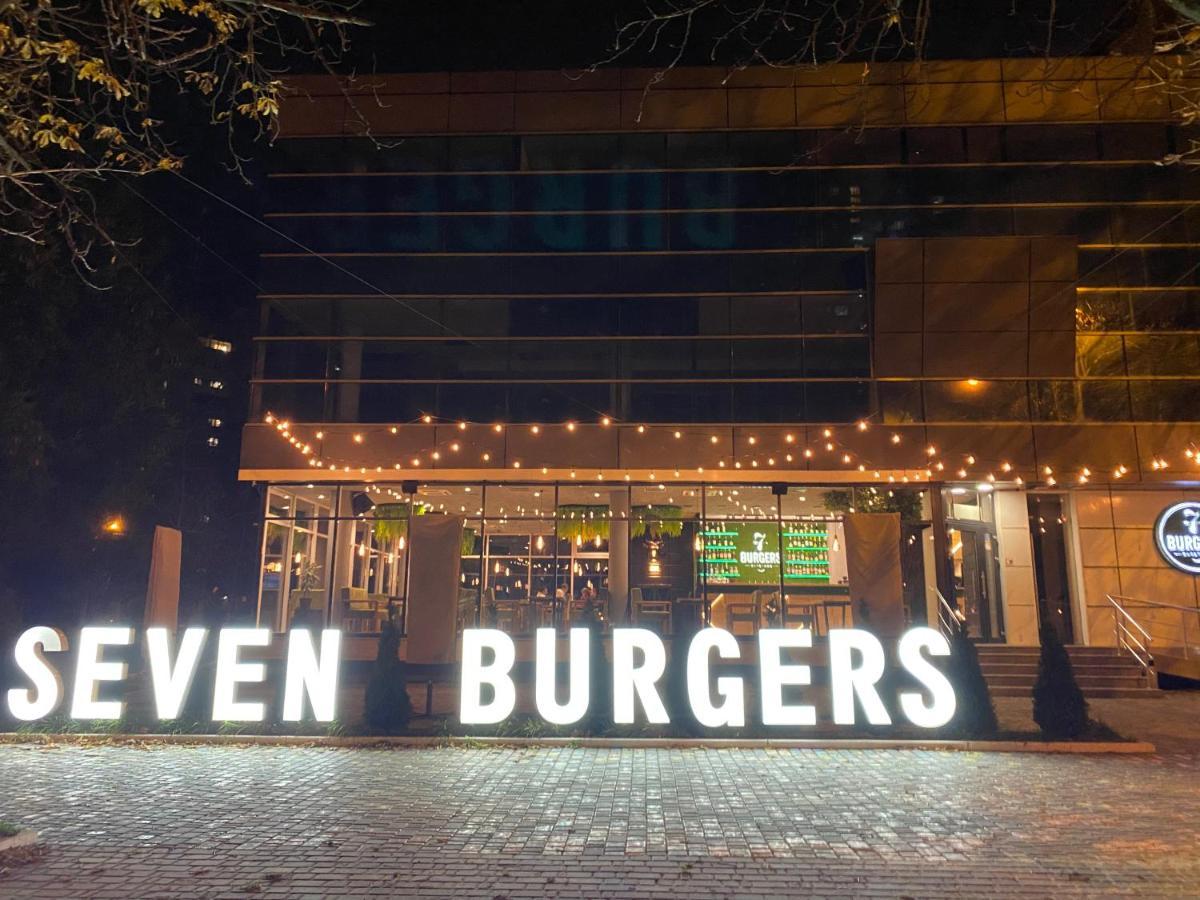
column 1177, row 536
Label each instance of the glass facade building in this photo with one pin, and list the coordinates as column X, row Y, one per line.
column 657, row 350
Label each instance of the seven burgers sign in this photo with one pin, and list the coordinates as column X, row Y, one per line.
column 857, row 662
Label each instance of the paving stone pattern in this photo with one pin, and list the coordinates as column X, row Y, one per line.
column 570, row 822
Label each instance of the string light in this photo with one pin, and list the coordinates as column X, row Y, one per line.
column 283, row 427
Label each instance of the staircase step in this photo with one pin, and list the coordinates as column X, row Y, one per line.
column 1084, row 681
column 1141, row 693
column 1080, row 671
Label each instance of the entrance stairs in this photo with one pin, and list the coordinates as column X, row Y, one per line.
column 1011, row 671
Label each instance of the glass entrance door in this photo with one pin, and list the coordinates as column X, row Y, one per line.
column 975, row 568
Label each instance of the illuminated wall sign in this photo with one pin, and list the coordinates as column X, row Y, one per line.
column 856, row 665
column 310, row 673
column 1177, row 536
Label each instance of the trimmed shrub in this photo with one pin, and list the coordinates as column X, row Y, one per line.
column 1058, row 705
column 676, row 697
column 974, row 715
column 599, row 714
column 387, row 707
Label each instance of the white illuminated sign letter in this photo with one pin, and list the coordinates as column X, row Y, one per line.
column 231, row 673
column 941, row 709
column 305, row 673
column 774, row 674
column 578, row 681
column 171, row 684
column 846, row 681
column 628, row 679
column 471, row 708
column 733, row 710
column 47, row 684
column 90, row 670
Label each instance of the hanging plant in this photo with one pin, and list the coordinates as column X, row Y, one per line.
column 468, row 541
column 873, row 500
column 391, row 519
column 657, row 522
column 583, row 523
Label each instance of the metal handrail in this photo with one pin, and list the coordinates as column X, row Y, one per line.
column 1120, row 602
column 1125, row 639
column 949, row 618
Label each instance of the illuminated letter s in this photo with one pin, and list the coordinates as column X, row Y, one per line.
column 47, row 684
column 941, row 709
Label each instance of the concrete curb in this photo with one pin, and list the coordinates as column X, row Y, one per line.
column 462, row 742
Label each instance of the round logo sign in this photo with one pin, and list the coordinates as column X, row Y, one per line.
column 1177, row 535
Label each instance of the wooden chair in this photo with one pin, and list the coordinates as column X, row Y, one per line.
column 799, row 614
column 646, row 611
column 741, row 612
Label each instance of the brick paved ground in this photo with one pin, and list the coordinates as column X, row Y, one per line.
column 224, row 821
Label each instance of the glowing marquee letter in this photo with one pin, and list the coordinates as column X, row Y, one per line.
column 774, row 674
column 305, row 673
column 628, row 679
column 90, row 671
column 578, row 682
column 29, row 705
column 171, row 685
column 941, row 709
column 231, row 673
column 471, row 708
column 733, row 710
column 846, row 681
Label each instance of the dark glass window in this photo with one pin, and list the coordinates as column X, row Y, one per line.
column 765, row 315
column 569, row 151
column 1066, row 142
column 837, row 357
column 1099, row 355
column 1165, row 401
column 900, row 401
column 1162, row 354
column 936, row 145
column 985, row 401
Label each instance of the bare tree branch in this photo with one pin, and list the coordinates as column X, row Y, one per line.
column 89, row 89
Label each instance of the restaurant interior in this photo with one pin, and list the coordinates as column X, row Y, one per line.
column 666, row 556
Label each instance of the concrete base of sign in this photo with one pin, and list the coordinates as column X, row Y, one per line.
column 19, row 841
column 400, row 742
